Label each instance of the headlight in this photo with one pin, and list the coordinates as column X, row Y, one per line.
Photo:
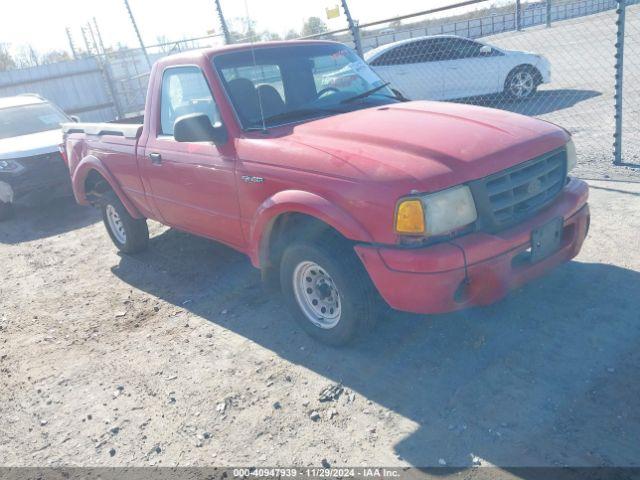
column 572, row 158
column 436, row 213
column 10, row 166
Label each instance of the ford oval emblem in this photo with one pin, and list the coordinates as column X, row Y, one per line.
column 534, row 187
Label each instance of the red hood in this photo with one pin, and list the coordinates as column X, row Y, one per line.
column 430, row 144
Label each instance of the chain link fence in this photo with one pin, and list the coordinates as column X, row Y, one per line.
column 559, row 60
column 554, row 60
column 629, row 106
column 564, row 74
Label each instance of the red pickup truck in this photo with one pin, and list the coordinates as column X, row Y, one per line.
column 348, row 198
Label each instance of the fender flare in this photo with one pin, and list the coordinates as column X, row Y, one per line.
column 86, row 166
column 299, row 201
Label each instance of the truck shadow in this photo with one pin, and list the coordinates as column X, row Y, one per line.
column 35, row 222
column 547, row 377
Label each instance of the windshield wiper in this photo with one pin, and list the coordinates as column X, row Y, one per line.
column 292, row 114
column 365, row 94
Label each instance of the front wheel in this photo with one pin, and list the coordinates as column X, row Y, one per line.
column 129, row 234
column 521, row 83
column 328, row 291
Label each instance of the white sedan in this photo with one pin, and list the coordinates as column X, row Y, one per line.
column 444, row 67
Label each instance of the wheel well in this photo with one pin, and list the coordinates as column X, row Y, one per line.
column 95, row 186
column 285, row 229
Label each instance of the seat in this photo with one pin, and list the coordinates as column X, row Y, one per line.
column 272, row 103
column 245, row 98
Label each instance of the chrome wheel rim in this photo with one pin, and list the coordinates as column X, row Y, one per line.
column 317, row 295
column 116, row 225
column 521, row 84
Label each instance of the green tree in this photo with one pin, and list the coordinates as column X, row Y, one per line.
column 291, row 34
column 313, row 26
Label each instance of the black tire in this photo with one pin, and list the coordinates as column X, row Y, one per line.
column 525, row 73
column 357, row 297
column 136, row 232
column 6, row 211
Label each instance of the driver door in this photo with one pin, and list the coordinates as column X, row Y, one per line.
column 192, row 183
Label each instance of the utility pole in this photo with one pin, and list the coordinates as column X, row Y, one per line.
column 87, row 43
column 353, row 26
column 72, row 46
column 99, row 35
column 223, row 24
column 101, row 62
column 93, row 38
column 135, row 27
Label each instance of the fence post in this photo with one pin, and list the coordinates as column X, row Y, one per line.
column 72, row 45
column 102, row 66
column 355, row 31
column 518, row 21
column 548, row 5
column 617, row 136
column 223, row 24
column 135, row 27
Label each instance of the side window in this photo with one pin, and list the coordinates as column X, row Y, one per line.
column 395, row 56
column 255, row 90
column 420, row 51
column 185, row 91
column 259, row 75
column 460, row 48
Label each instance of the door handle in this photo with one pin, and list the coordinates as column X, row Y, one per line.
column 155, row 158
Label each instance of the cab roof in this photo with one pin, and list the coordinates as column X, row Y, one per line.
column 192, row 55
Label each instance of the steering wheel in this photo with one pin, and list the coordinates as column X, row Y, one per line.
column 326, row 90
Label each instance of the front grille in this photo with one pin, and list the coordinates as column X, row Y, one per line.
column 38, row 172
column 36, row 161
column 512, row 195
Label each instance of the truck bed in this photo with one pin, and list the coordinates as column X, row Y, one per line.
column 126, row 130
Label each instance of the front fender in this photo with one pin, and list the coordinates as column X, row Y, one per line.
column 85, row 166
column 299, row 201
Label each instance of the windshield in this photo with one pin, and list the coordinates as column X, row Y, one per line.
column 278, row 85
column 26, row 119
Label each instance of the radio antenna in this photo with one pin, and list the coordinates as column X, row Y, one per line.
column 255, row 64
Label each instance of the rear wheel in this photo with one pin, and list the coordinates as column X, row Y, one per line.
column 129, row 234
column 522, row 83
column 6, row 211
column 328, row 291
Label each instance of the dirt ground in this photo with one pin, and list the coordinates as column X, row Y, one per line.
column 178, row 357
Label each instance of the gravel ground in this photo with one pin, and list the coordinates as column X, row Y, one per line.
column 178, row 357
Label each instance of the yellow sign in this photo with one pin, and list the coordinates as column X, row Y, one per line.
column 333, row 12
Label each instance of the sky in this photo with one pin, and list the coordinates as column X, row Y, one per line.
column 41, row 23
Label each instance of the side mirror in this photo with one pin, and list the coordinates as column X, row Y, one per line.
column 486, row 50
column 196, row 127
column 74, row 118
